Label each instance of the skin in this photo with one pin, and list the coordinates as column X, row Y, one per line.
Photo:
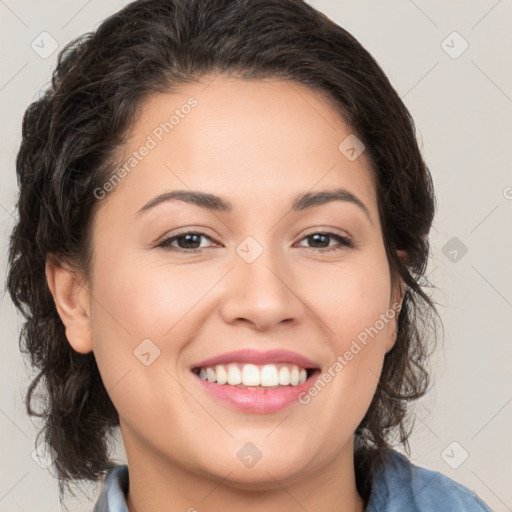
column 258, row 144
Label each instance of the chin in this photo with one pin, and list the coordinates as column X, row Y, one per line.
column 266, row 478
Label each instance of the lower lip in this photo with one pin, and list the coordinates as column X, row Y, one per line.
column 257, row 399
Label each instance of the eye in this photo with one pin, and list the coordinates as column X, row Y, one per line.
column 190, row 241
column 320, row 238
column 187, row 241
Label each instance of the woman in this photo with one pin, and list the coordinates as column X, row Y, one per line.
column 223, row 226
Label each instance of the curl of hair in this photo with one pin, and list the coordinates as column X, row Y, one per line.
column 71, row 141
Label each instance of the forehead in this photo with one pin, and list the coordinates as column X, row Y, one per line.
column 249, row 140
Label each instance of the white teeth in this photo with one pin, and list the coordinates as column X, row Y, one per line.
column 268, row 375
column 222, row 374
column 294, row 376
column 234, row 374
column 211, row 375
column 250, row 375
column 284, row 376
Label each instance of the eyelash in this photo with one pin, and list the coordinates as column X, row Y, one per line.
column 343, row 241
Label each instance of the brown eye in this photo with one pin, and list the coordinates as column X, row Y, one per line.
column 318, row 241
column 186, row 241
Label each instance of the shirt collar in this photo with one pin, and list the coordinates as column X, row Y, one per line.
column 114, row 492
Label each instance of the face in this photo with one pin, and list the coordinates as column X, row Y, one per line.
column 285, row 282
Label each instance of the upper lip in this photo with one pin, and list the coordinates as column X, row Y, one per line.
column 258, row 357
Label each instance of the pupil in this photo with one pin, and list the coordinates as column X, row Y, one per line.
column 188, row 240
column 191, row 238
column 316, row 236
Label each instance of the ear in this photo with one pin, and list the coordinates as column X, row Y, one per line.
column 395, row 306
column 402, row 255
column 71, row 297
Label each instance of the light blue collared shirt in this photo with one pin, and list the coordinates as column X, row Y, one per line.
column 399, row 486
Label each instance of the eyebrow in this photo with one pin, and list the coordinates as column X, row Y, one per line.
column 216, row 203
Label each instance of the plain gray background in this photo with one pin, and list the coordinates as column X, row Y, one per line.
column 461, row 100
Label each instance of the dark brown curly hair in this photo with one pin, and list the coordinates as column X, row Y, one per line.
column 71, row 139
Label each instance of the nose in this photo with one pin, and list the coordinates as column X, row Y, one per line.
column 262, row 293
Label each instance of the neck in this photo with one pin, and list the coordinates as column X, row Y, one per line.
column 165, row 485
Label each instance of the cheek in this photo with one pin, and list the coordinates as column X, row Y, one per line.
column 350, row 301
column 148, row 299
column 353, row 303
column 153, row 299
column 349, row 297
column 135, row 303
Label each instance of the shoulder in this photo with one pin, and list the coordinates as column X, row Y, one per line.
column 401, row 485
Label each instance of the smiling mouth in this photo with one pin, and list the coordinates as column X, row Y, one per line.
column 248, row 375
